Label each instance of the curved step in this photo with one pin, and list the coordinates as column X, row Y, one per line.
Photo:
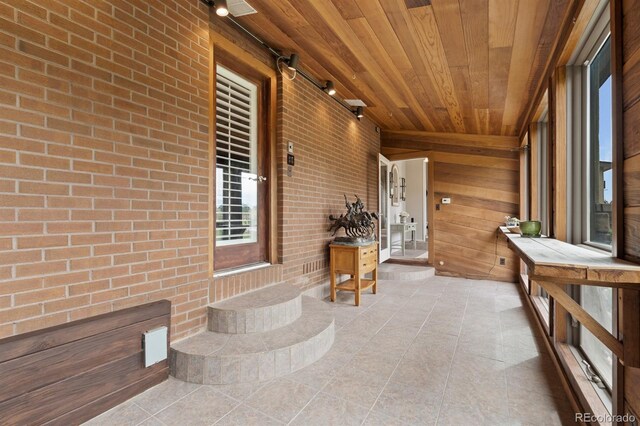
column 263, row 310
column 218, row 358
column 395, row 271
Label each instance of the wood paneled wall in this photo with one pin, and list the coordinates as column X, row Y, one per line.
column 482, row 193
column 631, row 185
column 70, row 373
column 631, row 120
column 481, row 176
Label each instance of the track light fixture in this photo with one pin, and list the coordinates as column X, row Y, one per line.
column 221, row 8
column 292, row 62
column 329, row 88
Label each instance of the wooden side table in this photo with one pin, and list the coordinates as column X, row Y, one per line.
column 354, row 261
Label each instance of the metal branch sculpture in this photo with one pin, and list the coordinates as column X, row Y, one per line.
column 357, row 223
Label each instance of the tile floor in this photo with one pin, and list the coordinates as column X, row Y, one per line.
column 409, row 254
column 443, row 351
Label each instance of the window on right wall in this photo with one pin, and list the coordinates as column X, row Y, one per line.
column 591, row 185
column 600, row 149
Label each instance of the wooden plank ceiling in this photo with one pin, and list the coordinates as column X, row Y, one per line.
column 463, row 66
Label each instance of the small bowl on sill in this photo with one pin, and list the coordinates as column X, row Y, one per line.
column 514, row 229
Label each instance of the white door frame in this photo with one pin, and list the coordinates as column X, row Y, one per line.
column 385, row 253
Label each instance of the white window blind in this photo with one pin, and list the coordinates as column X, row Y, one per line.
column 236, row 158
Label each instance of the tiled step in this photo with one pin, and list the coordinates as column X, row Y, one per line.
column 394, row 271
column 263, row 310
column 219, row 358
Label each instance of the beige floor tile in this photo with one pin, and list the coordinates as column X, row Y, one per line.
column 454, row 414
column 247, row 416
column 430, row 375
column 166, row 393
column 281, row 399
column 409, row 404
column 239, row 391
column 151, row 421
column 204, row 406
column 376, row 418
column 327, row 410
column 486, row 345
column 357, row 386
column 544, row 380
column 127, row 414
column 539, row 409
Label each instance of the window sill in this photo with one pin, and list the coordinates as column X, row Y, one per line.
column 590, row 398
column 234, row 271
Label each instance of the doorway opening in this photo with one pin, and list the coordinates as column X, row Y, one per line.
column 404, row 220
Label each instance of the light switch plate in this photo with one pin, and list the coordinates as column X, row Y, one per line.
column 155, row 346
column 446, row 201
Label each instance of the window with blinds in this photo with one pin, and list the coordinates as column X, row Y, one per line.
column 236, row 159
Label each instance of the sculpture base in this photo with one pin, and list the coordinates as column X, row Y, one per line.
column 349, row 241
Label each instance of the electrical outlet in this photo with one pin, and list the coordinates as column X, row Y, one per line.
column 503, row 261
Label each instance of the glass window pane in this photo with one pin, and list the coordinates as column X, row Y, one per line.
column 600, row 150
column 236, row 159
column 598, row 302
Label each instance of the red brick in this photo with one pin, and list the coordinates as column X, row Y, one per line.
column 44, row 161
column 39, row 269
column 66, row 304
column 66, row 279
column 88, row 287
column 22, row 312
column 43, row 188
column 21, row 201
column 90, row 263
column 40, row 322
column 42, row 241
column 20, row 256
column 67, row 253
column 17, row 286
column 39, row 296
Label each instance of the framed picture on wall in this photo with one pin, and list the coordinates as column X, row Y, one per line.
column 395, row 192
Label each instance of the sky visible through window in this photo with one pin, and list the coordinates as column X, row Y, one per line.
column 604, row 136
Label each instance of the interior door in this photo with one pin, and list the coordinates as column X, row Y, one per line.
column 384, row 230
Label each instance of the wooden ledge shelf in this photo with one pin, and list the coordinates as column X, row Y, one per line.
column 552, row 264
column 549, row 259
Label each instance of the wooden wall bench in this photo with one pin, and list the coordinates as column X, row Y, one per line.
column 69, row 373
column 552, row 265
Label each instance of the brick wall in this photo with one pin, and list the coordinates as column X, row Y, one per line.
column 103, row 160
column 104, row 164
column 335, row 154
